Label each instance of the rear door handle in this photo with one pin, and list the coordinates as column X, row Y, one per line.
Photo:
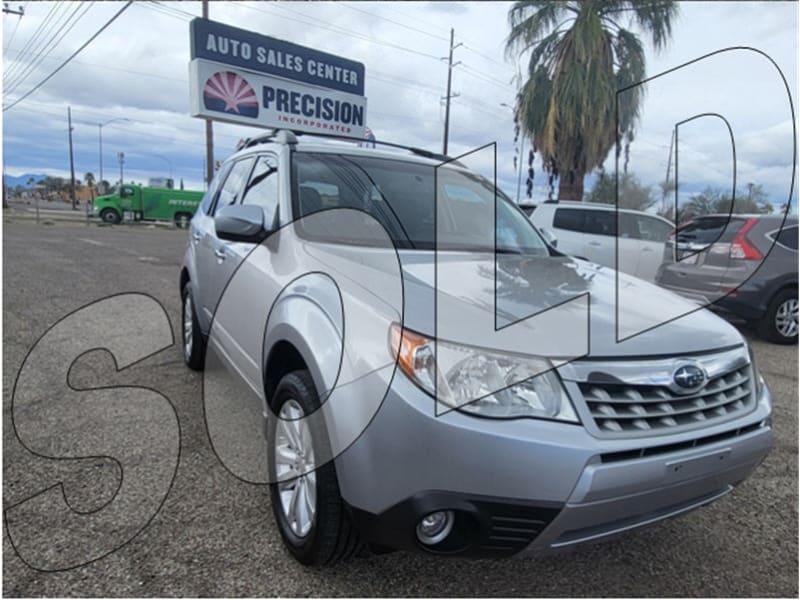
column 220, row 253
column 646, row 249
column 596, row 244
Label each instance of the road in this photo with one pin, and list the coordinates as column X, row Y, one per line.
column 214, row 534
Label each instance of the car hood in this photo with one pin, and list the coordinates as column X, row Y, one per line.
column 528, row 285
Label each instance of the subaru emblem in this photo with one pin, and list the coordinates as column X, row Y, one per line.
column 689, row 377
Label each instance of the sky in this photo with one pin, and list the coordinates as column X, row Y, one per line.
column 137, row 70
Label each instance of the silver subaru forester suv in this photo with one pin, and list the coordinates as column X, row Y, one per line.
column 621, row 436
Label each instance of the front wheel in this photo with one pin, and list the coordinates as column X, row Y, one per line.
column 194, row 344
column 308, row 508
column 109, row 215
column 779, row 324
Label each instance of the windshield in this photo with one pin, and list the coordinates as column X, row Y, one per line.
column 400, row 195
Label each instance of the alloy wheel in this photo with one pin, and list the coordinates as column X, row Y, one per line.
column 188, row 325
column 294, row 467
column 786, row 318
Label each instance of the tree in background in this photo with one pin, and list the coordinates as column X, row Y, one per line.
column 712, row 201
column 632, row 194
column 581, row 54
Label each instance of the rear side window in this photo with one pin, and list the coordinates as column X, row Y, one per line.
column 233, row 187
column 708, row 230
column 571, row 219
column 786, row 237
column 653, row 230
column 601, row 222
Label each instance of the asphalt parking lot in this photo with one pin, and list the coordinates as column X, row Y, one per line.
column 214, row 534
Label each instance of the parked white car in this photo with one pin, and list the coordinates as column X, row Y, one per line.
column 588, row 230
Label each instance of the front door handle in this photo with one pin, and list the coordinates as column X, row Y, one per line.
column 596, row 244
column 197, row 237
column 220, row 253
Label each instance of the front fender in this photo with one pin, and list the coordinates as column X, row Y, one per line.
column 308, row 314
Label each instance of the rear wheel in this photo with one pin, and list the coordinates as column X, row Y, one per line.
column 182, row 220
column 308, row 508
column 779, row 324
column 109, row 215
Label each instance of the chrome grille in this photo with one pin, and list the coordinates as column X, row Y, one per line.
column 624, row 408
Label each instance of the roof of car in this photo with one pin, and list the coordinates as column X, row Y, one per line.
column 595, row 206
column 773, row 216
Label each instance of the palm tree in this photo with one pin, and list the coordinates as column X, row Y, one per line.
column 581, row 54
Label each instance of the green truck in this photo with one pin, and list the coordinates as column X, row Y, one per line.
column 138, row 203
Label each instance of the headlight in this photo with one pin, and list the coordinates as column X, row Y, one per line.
column 468, row 378
column 756, row 373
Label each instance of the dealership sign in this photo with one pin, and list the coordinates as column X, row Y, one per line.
column 242, row 77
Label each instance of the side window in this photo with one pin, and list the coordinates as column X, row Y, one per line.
column 262, row 189
column 233, row 187
column 208, row 198
column 788, row 237
column 630, row 227
column 571, row 219
column 125, row 192
column 653, row 230
column 601, row 222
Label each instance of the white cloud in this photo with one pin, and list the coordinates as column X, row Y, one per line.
column 138, row 69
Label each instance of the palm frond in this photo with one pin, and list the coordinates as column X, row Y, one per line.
column 531, row 20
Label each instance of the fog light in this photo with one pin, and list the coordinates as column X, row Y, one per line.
column 433, row 528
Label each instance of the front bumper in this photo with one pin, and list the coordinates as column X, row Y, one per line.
column 527, row 486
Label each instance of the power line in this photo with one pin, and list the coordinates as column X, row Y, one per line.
column 11, row 79
column 19, row 20
column 409, row 27
column 34, row 39
column 46, row 51
column 335, row 29
column 73, row 55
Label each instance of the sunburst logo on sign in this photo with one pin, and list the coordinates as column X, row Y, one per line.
column 230, row 93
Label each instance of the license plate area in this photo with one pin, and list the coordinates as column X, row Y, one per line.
column 697, row 466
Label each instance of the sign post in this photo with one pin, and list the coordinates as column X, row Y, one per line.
column 242, row 77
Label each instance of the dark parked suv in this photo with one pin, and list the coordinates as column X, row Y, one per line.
column 726, row 266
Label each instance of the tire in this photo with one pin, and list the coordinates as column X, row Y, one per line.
column 193, row 341
column 779, row 324
column 331, row 535
column 182, row 220
column 109, row 215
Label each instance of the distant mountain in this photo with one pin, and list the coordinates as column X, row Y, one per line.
column 22, row 180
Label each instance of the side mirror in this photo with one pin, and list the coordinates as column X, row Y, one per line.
column 549, row 237
column 241, row 223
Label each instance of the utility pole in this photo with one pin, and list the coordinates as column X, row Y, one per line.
column 11, row 11
column 209, row 128
column 121, row 159
column 71, row 161
column 449, row 95
column 665, row 190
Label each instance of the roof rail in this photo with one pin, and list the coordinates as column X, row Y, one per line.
column 279, row 136
column 287, row 136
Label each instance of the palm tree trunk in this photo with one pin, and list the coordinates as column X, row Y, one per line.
column 570, row 186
